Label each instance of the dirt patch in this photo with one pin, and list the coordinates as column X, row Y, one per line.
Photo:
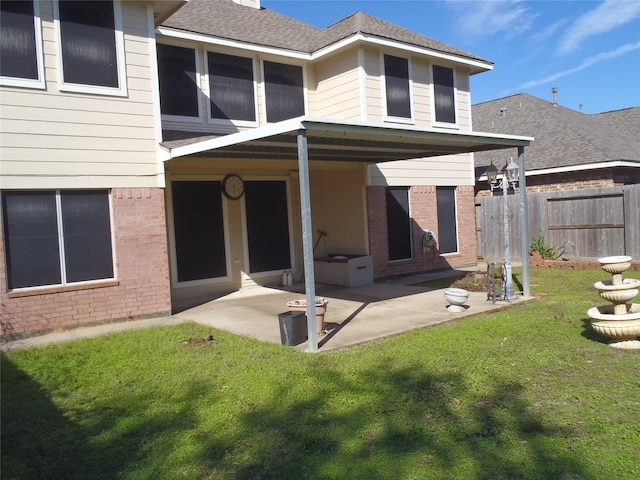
column 199, row 341
column 472, row 282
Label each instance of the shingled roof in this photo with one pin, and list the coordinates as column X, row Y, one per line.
column 227, row 20
column 562, row 137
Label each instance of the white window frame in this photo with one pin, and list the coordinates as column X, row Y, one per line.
column 173, row 256
column 121, row 90
column 247, row 274
column 455, row 98
column 207, row 92
column 61, row 252
column 28, row 82
column 263, row 83
column 199, row 87
column 383, row 82
column 455, row 204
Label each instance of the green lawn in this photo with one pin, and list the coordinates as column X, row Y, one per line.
column 525, row 393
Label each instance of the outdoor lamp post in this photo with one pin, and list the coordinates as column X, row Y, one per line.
column 509, row 180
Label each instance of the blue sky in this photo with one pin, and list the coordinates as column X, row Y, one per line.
column 588, row 49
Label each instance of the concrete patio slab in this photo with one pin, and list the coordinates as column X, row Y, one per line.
column 354, row 315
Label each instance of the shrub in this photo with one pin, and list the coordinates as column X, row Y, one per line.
column 547, row 252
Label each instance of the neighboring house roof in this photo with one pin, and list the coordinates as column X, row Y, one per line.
column 563, row 138
column 227, row 20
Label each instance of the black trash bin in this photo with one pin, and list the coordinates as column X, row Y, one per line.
column 293, row 327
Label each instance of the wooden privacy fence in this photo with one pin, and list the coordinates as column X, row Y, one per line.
column 588, row 224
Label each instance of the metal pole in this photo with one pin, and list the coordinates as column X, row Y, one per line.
column 524, row 225
column 307, row 239
column 509, row 293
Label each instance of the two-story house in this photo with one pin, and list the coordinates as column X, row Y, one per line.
column 154, row 152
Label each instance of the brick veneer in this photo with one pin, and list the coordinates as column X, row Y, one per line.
column 424, row 215
column 141, row 288
column 580, row 180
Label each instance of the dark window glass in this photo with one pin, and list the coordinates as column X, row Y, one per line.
column 177, row 76
column 31, row 239
column 283, row 91
column 231, row 87
column 199, row 230
column 447, row 231
column 18, row 55
column 87, row 33
column 35, row 254
column 87, row 235
column 267, row 226
column 443, row 90
column 396, row 76
column 398, row 223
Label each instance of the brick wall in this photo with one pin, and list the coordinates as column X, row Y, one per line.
column 141, row 288
column 599, row 178
column 423, row 207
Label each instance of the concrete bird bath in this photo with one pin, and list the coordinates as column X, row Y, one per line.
column 619, row 321
column 456, row 297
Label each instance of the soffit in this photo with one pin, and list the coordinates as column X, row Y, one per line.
column 341, row 142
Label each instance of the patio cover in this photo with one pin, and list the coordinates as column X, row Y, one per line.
column 314, row 139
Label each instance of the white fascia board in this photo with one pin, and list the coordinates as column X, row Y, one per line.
column 353, row 126
column 400, row 46
column 240, row 137
column 319, row 54
column 207, row 39
column 410, row 130
column 577, row 168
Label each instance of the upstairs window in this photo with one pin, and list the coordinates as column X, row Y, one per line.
column 443, row 91
column 57, row 237
column 397, row 91
column 20, row 44
column 231, row 87
column 284, row 91
column 177, row 75
column 91, row 46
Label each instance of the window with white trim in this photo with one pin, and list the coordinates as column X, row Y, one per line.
column 231, row 87
column 284, row 91
column 444, row 94
column 397, row 89
column 447, row 221
column 21, row 61
column 399, row 232
column 177, row 75
column 91, row 46
column 57, row 237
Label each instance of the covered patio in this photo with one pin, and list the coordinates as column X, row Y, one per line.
column 307, row 139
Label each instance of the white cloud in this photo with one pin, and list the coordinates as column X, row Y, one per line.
column 601, row 57
column 549, row 31
column 484, row 18
column 607, row 16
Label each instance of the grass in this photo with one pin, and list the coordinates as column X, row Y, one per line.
column 526, row 393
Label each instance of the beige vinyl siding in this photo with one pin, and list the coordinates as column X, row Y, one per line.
column 463, row 99
column 54, row 139
column 448, row 170
column 373, row 85
column 421, row 92
column 337, row 93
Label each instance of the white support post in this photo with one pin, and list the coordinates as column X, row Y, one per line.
column 524, row 224
column 307, row 239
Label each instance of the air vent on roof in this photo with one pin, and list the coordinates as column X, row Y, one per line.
column 503, row 112
column 248, row 3
column 554, row 90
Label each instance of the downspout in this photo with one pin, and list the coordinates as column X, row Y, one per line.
column 307, row 239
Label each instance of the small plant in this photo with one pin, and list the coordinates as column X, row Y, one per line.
column 547, row 252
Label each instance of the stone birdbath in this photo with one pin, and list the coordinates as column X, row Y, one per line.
column 456, row 297
column 619, row 321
